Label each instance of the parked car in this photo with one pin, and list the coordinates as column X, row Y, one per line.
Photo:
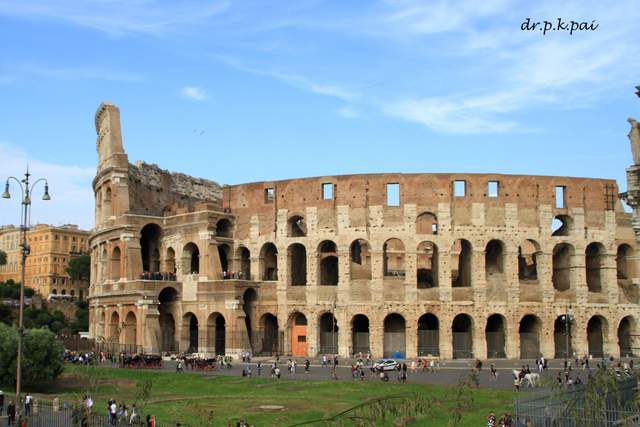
column 386, row 365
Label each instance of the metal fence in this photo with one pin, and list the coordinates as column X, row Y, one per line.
column 428, row 342
column 462, row 345
column 574, row 409
column 529, row 345
column 76, row 343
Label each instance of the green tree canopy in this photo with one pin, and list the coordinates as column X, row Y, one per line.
column 11, row 290
column 80, row 268
column 41, row 362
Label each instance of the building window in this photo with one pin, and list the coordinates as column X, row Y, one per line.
column 269, row 195
column 560, row 192
column 493, row 188
column 393, row 194
column 459, row 188
column 327, row 191
column 56, row 237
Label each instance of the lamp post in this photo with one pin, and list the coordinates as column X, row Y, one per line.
column 333, row 339
column 25, row 212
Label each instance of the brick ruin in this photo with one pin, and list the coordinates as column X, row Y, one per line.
column 448, row 265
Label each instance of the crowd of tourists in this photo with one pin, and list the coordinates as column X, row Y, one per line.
column 12, row 410
column 239, row 275
column 157, row 275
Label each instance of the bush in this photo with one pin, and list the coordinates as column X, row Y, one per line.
column 41, row 356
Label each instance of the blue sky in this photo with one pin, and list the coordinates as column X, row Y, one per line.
column 278, row 90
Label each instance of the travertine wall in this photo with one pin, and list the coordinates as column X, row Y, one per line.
column 270, row 251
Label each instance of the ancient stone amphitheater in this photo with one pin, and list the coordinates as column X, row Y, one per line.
column 448, row 265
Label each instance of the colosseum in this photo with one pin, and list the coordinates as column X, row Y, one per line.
column 401, row 265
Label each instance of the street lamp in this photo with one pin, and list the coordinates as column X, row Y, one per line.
column 25, row 219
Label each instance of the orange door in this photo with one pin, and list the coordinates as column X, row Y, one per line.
column 299, row 340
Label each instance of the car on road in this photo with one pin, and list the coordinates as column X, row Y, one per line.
column 385, row 365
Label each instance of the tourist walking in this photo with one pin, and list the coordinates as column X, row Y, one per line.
column 306, row 366
column 494, row 373
column 11, row 413
column 28, row 402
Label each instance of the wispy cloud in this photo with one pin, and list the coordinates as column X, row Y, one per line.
column 194, row 93
column 349, row 112
column 118, row 17
column 70, row 187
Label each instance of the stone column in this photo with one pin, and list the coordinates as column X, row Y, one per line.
column 511, row 277
column 411, row 337
column 343, row 274
column 376, row 334
column 579, row 277
column 377, row 274
column 544, row 266
column 312, row 277
column 479, row 338
column 444, row 275
column 478, row 278
column 445, row 337
column 313, row 339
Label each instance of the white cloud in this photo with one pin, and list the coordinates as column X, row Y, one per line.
column 349, row 112
column 193, row 92
column 72, row 200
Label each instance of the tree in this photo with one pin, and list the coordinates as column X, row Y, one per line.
column 3, row 258
column 41, row 361
column 80, row 268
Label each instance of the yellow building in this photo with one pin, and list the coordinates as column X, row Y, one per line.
column 51, row 250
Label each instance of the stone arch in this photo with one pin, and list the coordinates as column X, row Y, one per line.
column 116, row 263
column 528, row 260
column 270, row 341
column 190, row 332
column 562, row 264
column 107, row 202
column 561, row 225
column 130, row 328
column 360, row 260
column 394, row 336
column 427, row 265
column 297, row 257
column 170, row 260
column 114, row 326
column 216, row 333
column 249, row 306
column 461, row 263
column 597, row 332
column 54, row 291
column 150, row 236
column 494, row 270
column 562, row 336
column 428, row 335
column 191, row 259
column 298, row 330
column 244, row 256
column 168, row 302
column 296, row 226
column 495, row 335
column 328, row 332
column 360, row 334
column 223, row 254
column 393, row 258
column 426, row 223
column 625, row 267
column 529, row 331
column 627, row 335
column 224, row 228
column 462, row 336
column 328, row 264
column 269, row 262
column 594, row 262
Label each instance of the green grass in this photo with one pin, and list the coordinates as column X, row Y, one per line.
column 192, row 398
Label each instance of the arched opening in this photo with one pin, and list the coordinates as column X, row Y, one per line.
column 223, row 253
column 427, row 265
column 562, row 336
column 624, row 263
column 249, row 302
column 461, row 264
column 171, row 260
column 115, row 264
column 426, row 223
column 64, row 292
column 269, row 262
column 360, row 334
column 244, row 256
column 297, row 255
column 54, row 291
column 393, row 258
column 626, row 334
column 596, row 331
column 150, row 248
column 495, row 336
column 130, row 329
column 114, row 326
column 270, row 335
column 561, row 225
column 102, row 323
column 462, row 337
column 360, row 257
column 191, row 259
column 527, row 261
column 106, row 204
column 190, row 332
column 394, row 336
column 168, row 300
column 296, row 227
column 224, row 228
column 428, row 335
column 298, row 330
column 561, row 278
column 328, row 326
column 216, row 328
column 530, row 327
column 494, row 270
column 328, row 263
column 593, row 264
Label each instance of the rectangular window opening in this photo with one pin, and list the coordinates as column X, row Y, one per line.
column 269, row 195
column 459, row 188
column 493, row 187
column 560, row 190
column 393, row 194
column 327, row 191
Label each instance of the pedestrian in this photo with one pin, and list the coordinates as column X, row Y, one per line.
column 306, row 366
column 112, row 412
column 259, row 368
column 28, row 402
column 1, row 402
column 362, row 374
column 324, row 360
column 494, row 373
column 491, row 420
column 11, row 413
column 277, row 372
column 294, row 364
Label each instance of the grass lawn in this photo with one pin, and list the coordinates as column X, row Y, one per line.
column 195, row 399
